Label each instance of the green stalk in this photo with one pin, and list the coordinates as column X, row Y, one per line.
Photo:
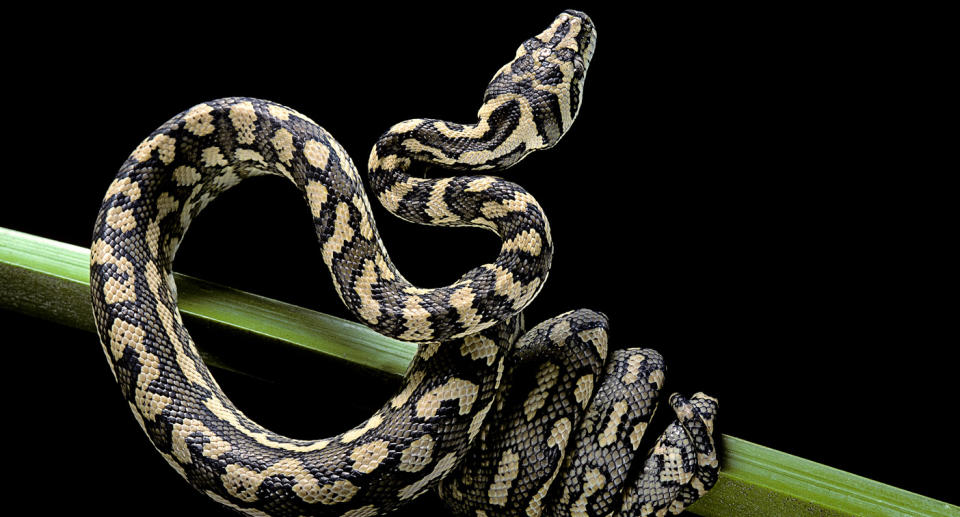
column 50, row 280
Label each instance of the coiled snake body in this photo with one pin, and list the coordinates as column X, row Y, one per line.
column 486, row 415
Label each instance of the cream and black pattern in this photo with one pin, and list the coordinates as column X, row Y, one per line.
column 488, row 413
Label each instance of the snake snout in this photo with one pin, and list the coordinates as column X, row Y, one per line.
column 586, row 36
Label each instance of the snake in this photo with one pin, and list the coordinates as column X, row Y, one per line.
column 498, row 419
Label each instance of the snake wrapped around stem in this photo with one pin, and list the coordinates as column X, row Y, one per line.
column 485, row 414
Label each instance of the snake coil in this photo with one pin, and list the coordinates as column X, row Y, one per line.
column 485, row 415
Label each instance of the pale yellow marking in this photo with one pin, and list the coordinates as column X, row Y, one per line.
column 598, row 338
column 243, row 483
column 243, row 155
column 317, row 154
column 392, row 197
column 609, row 434
column 199, row 120
column 561, row 91
column 560, row 331
column 342, row 233
column 166, row 205
column 464, row 391
column 437, row 208
column 535, row 508
column 528, row 293
column 369, row 307
column 462, row 300
column 415, row 146
column 214, row 448
column 165, row 146
column 418, row 455
column 227, row 178
column 528, row 241
column 637, row 434
column 124, row 186
column 186, row 176
column 500, row 369
column 477, row 423
column 416, row 321
column 547, row 377
column 485, row 223
column 279, row 112
column 283, row 170
column 186, row 364
column 263, row 438
column 367, row 457
column 123, row 334
column 441, row 469
column 150, row 404
column 698, row 485
column 468, row 131
column 569, row 39
column 244, row 118
column 413, row 382
column 364, row 511
column 385, row 272
column 524, row 133
column 518, row 203
column 428, row 349
column 394, row 162
column 505, row 285
column 316, row 197
column 481, row 184
column 550, row 31
column 120, row 219
column 507, row 471
column 634, row 362
column 560, row 433
column 212, row 157
column 584, row 390
column 593, row 480
column 656, row 378
column 114, row 291
column 406, row 125
column 366, row 230
column 479, row 347
column 672, row 471
column 372, row 423
column 707, row 419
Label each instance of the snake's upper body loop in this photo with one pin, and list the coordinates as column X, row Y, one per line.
column 467, row 330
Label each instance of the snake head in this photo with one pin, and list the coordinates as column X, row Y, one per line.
column 548, row 71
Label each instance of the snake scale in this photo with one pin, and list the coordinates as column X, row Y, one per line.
column 500, row 421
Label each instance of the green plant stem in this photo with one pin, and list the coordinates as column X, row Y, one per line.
column 50, row 280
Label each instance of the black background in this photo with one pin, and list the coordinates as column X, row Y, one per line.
column 728, row 195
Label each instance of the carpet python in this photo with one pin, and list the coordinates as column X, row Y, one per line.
column 500, row 421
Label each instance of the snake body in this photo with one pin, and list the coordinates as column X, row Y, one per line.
column 485, row 414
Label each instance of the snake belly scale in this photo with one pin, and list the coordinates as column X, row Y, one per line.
column 488, row 412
